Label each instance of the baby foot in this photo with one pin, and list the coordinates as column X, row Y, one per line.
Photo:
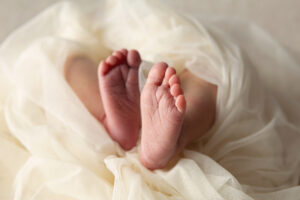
column 162, row 108
column 118, row 82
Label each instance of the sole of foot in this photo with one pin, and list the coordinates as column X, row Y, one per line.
column 118, row 83
column 162, row 111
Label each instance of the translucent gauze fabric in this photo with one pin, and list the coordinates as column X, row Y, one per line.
column 52, row 148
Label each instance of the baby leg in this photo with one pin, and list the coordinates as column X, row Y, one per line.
column 81, row 74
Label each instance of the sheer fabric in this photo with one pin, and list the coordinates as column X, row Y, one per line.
column 51, row 147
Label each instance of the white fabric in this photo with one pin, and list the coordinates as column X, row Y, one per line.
column 52, row 148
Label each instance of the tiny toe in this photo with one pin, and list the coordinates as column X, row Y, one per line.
column 112, row 60
column 169, row 72
column 133, row 58
column 124, row 52
column 103, row 68
column 176, row 90
column 119, row 55
column 157, row 73
column 174, row 80
column 180, row 103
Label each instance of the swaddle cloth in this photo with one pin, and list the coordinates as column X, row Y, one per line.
column 51, row 147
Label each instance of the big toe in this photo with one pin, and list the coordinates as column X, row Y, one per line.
column 157, row 73
column 133, row 58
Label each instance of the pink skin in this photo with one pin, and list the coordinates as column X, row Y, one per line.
column 162, row 99
column 162, row 116
column 168, row 122
column 118, row 82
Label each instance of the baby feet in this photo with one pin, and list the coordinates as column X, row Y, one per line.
column 118, row 82
column 163, row 107
column 117, row 104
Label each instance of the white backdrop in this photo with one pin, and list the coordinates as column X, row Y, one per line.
column 280, row 18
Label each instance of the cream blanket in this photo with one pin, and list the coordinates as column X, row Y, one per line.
column 52, row 148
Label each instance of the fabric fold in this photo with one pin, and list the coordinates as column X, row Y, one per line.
column 53, row 148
